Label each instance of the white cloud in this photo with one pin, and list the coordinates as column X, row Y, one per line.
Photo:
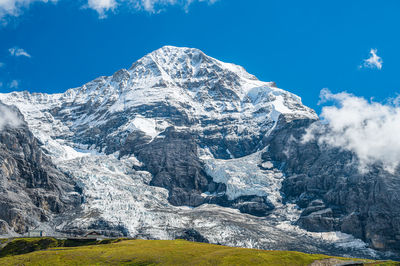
column 14, row 8
column 102, row 6
column 369, row 129
column 8, row 117
column 374, row 61
column 154, row 6
column 14, row 84
column 15, row 51
column 151, row 6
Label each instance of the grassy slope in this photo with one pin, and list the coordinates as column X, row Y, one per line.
column 145, row 252
column 26, row 245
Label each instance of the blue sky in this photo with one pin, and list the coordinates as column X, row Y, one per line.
column 304, row 46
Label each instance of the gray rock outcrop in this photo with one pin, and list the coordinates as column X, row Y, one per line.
column 327, row 183
column 31, row 187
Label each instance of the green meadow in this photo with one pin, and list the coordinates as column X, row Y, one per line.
column 50, row 251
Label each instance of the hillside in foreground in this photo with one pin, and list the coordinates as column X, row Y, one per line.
column 177, row 252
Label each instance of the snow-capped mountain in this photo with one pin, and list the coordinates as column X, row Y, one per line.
column 172, row 86
column 169, row 95
column 183, row 145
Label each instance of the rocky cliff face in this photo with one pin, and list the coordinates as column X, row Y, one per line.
column 181, row 144
column 32, row 188
column 334, row 195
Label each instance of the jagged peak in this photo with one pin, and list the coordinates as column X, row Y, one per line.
column 179, row 75
column 174, row 52
column 171, row 59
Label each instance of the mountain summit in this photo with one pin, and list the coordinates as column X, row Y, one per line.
column 169, row 87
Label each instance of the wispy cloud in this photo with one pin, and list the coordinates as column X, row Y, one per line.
column 102, row 6
column 14, row 84
column 14, row 8
column 374, row 61
column 369, row 129
column 151, row 6
column 15, row 51
column 154, row 6
column 2, row 64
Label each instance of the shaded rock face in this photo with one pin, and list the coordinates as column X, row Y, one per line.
column 191, row 235
column 100, row 226
column 173, row 161
column 254, row 205
column 335, row 195
column 172, row 158
column 31, row 187
column 4, row 228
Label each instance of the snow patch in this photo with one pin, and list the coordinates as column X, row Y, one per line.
column 244, row 176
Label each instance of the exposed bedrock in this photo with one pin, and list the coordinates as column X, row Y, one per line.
column 31, row 187
column 335, row 195
column 190, row 235
column 172, row 158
